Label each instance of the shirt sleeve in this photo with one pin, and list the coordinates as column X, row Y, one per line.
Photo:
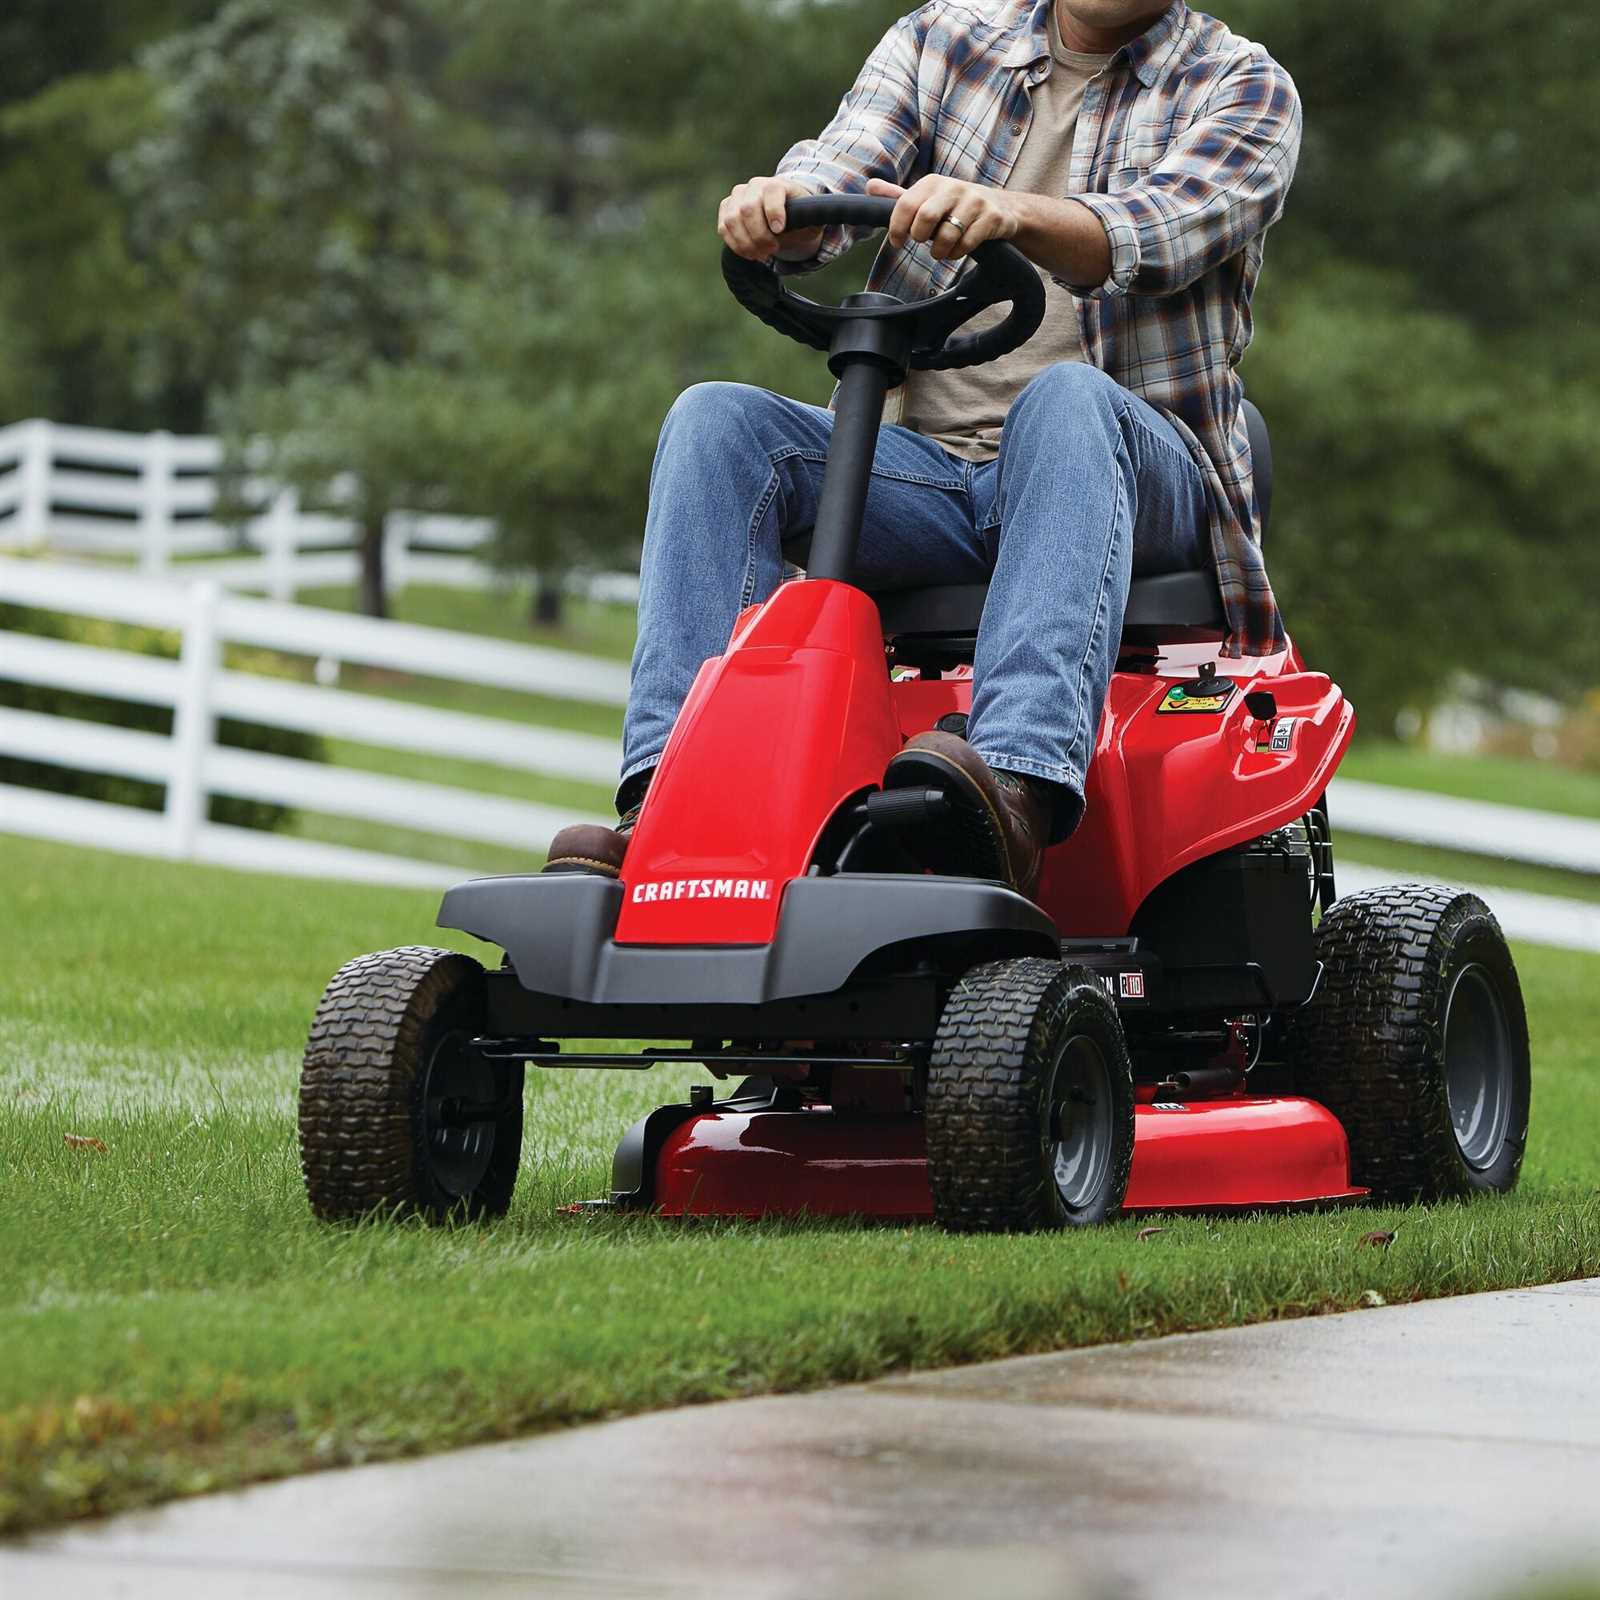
column 876, row 133
column 1219, row 185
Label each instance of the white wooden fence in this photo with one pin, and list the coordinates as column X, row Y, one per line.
column 152, row 497
column 199, row 688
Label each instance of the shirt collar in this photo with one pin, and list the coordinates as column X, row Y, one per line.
column 1148, row 56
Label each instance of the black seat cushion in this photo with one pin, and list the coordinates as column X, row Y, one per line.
column 1171, row 608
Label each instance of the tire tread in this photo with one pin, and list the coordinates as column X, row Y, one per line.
column 1371, row 1047
column 986, row 1084
column 358, row 1146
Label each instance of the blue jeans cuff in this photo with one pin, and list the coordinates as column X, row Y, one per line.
column 1051, row 772
column 648, row 764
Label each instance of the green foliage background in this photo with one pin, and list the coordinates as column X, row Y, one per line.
column 464, row 248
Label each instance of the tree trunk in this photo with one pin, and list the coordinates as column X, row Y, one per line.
column 374, row 598
column 548, row 596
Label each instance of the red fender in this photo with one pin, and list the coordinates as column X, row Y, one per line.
column 777, row 733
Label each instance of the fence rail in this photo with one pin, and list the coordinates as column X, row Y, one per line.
column 199, row 689
column 152, row 499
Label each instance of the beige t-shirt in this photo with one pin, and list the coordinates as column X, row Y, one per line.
column 965, row 409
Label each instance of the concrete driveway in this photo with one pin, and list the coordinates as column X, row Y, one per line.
column 1446, row 1449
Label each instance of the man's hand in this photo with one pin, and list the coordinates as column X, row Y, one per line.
column 750, row 220
column 1066, row 239
column 922, row 214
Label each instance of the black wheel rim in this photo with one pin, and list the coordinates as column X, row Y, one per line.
column 459, row 1115
column 1080, row 1134
column 1479, row 1067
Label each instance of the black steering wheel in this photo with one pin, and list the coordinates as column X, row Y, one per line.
column 998, row 273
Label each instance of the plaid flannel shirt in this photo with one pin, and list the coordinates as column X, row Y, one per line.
column 1185, row 148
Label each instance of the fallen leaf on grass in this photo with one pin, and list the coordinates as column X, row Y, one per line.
column 1373, row 1298
column 1148, row 1233
column 1379, row 1241
column 83, row 1141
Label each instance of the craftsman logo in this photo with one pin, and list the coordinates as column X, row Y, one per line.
column 703, row 889
column 1132, row 985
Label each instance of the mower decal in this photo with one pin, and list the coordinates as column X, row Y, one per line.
column 702, row 889
column 1179, row 699
column 1281, row 742
column 1167, row 1105
column 1121, row 985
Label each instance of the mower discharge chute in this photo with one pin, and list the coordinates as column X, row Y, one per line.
column 1168, row 1027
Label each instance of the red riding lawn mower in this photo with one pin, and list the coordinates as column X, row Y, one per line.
column 1169, row 1028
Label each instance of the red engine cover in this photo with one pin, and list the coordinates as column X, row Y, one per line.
column 799, row 716
column 1165, row 790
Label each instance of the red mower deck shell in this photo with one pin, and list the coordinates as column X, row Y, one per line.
column 728, row 825
column 1241, row 1153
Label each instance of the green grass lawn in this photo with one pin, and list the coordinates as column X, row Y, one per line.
column 500, row 613
column 177, row 1322
column 1507, row 780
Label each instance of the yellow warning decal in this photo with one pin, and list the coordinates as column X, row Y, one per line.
column 1180, row 699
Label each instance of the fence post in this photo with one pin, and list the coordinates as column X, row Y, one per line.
column 155, row 514
column 193, row 721
column 397, row 531
column 282, row 531
column 33, row 485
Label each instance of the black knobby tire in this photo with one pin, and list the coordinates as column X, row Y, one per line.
column 397, row 1116
column 1029, row 1106
column 1418, row 1042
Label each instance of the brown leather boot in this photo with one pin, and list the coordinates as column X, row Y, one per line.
column 587, row 847
column 999, row 825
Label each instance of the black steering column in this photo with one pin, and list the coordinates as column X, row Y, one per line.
column 873, row 341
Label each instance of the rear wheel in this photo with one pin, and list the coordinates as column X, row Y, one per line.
column 397, row 1113
column 1418, row 1043
column 1030, row 1101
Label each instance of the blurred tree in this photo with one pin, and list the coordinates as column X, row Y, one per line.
column 603, row 298
column 87, row 334
column 588, row 107
column 1423, row 351
column 589, row 335
column 298, row 194
column 341, row 199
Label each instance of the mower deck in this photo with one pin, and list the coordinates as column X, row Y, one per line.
column 1245, row 1152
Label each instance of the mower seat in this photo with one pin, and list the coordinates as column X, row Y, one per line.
column 934, row 626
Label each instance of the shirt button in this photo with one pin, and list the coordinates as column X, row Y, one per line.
column 1016, row 127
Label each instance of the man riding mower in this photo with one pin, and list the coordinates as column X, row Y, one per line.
column 990, row 851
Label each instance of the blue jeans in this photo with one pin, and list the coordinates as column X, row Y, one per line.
column 1091, row 486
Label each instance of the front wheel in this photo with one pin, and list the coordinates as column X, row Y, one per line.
column 1030, row 1101
column 398, row 1114
column 1418, row 1043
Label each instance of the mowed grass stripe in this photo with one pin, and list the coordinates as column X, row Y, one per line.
column 179, row 1322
